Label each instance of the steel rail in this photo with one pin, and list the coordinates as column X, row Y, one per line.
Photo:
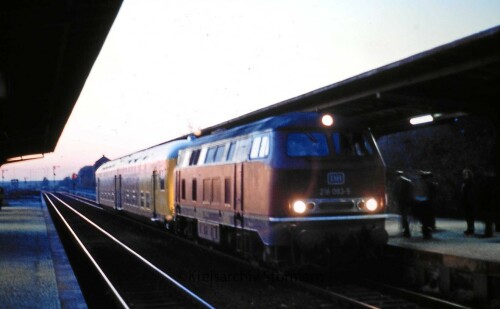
column 418, row 297
column 96, row 265
column 184, row 289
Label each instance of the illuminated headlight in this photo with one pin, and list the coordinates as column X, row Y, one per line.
column 299, row 207
column 327, row 120
column 371, row 204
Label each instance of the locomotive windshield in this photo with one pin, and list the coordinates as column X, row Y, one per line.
column 307, row 144
column 316, row 144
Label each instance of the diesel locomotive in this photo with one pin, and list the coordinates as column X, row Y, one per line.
column 285, row 190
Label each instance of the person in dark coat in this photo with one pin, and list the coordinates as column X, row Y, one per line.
column 403, row 199
column 424, row 197
column 486, row 201
column 468, row 200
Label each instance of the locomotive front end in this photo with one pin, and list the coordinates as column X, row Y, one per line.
column 331, row 183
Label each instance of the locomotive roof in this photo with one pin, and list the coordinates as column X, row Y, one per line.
column 293, row 120
column 169, row 150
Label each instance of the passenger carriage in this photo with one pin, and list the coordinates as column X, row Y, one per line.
column 141, row 183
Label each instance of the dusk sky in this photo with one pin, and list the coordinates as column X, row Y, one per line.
column 168, row 67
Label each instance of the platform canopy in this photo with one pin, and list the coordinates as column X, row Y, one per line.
column 462, row 77
column 47, row 49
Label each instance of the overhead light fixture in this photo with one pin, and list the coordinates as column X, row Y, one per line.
column 421, row 119
column 25, row 158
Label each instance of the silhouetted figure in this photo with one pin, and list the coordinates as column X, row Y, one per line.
column 1, row 197
column 486, row 203
column 403, row 198
column 468, row 200
column 424, row 191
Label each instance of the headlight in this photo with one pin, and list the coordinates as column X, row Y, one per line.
column 299, row 207
column 327, row 120
column 371, row 204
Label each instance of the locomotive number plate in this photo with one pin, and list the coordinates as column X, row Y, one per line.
column 209, row 231
column 336, row 178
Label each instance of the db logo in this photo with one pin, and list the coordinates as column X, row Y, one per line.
column 336, row 178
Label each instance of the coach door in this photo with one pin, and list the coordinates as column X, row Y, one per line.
column 154, row 188
column 118, row 192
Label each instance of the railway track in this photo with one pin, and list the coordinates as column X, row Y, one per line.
column 132, row 280
column 371, row 294
column 229, row 282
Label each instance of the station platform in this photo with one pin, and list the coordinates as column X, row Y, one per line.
column 448, row 238
column 451, row 263
column 34, row 269
column 35, row 272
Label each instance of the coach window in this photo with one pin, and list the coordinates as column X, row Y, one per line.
column 162, row 180
column 142, row 199
column 148, row 200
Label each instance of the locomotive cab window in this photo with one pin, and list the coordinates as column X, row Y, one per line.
column 260, row 147
column 352, row 144
column 307, row 144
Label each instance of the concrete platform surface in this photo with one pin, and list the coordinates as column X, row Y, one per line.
column 34, row 269
column 448, row 239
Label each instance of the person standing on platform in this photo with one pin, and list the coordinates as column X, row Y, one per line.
column 487, row 195
column 468, row 200
column 424, row 196
column 403, row 198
